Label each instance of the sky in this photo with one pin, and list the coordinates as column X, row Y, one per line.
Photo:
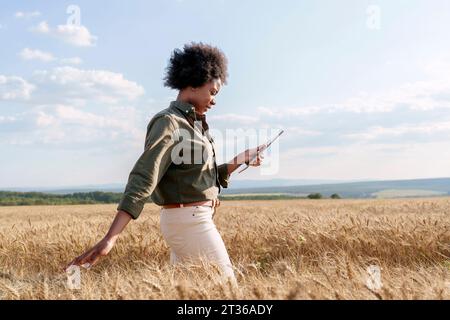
column 361, row 88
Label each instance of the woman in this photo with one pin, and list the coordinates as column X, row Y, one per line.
column 186, row 190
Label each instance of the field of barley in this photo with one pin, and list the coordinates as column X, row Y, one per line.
column 284, row 249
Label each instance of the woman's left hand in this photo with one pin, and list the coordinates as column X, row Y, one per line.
column 253, row 157
column 257, row 162
column 91, row 256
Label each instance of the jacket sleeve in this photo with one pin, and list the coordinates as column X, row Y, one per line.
column 150, row 167
column 224, row 176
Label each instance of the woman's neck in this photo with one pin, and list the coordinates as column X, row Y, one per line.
column 185, row 99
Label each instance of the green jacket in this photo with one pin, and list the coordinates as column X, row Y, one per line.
column 178, row 164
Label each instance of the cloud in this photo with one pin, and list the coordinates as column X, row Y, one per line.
column 63, row 84
column 421, row 95
column 70, row 85
column 75, row 35
column 287, row 112
column 15, row 88
column 383, row 132
column 53, row 102
column 44, row 120
column 42, row 28
column 298, row 132
column 295, row 153
column 27, row 15
column 34, row 54
column 430, row 94
column 29, row 54
column 368, row 161
column 438, row 67
column 71, row 115
column 71, row 127
column 7, row 119
column 74, row 60
column 234, row 118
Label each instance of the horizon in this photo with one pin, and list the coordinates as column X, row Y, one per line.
column 361, row 90
column 318, row 183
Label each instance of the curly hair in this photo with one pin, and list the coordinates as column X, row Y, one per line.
column 196, row 65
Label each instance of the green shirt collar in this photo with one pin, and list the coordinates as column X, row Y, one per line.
column 186, row 108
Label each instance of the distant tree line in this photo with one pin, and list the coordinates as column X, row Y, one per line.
column 320, row 196
column 260, row 197
column 11, row 198
column 8, row 198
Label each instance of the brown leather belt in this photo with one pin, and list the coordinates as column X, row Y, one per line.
column 208, row 203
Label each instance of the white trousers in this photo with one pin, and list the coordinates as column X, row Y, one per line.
column 191, row 234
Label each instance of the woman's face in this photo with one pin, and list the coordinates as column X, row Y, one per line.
column 203, row 98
